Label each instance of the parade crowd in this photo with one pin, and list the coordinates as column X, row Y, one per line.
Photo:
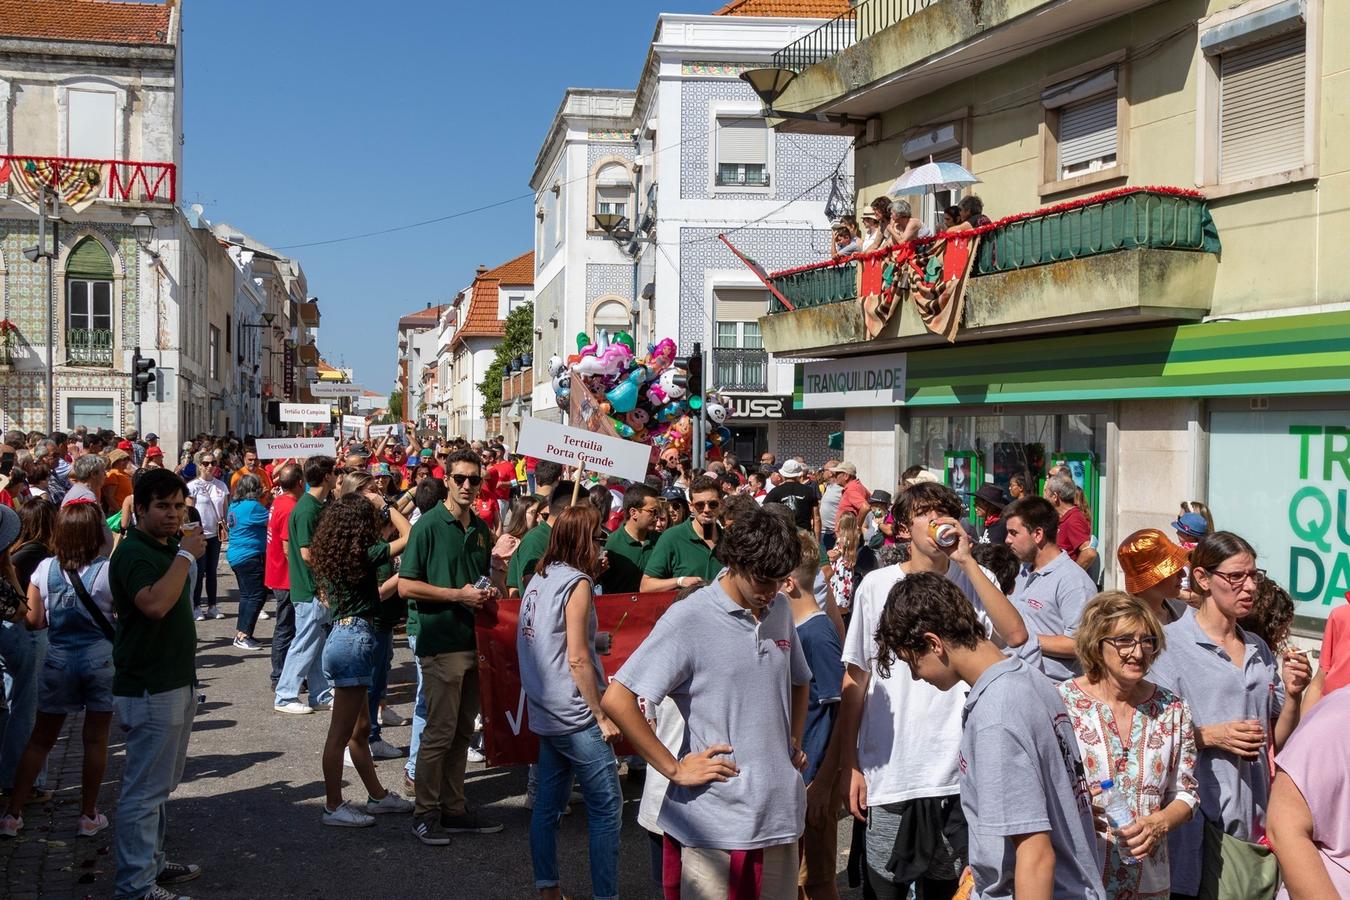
column 996, row 725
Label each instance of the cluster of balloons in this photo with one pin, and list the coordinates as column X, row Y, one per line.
column 644, row 396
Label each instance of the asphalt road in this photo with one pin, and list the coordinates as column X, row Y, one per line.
column 248, row 810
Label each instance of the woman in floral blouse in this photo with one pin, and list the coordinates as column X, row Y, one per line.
column 1134, row 733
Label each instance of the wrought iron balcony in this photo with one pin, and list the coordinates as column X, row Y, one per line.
column 845, row 30
column 741, row 368
column 89, row 347
column 114, row 180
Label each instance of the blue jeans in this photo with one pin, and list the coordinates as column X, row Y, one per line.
column 379, row 679
column 157, row 728
column 585, row 754
column 22, row 652
column 304, row 659
column 207, row 568
column 283, row 632
column 419, row 718
column 349, row 654
column 252, row 594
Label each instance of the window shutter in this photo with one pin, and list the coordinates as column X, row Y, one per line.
column 1261, row 90
column 89, row 260
column 742, row 142
column 1087, row 131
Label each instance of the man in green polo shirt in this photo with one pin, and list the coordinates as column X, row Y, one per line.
column 153, row 677
column 532, row 546
column 683, row 555
column 448, row 552
column 632, row 542
column 304, row 658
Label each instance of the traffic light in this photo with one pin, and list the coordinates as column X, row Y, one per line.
column 692, row 379
column 141, row 376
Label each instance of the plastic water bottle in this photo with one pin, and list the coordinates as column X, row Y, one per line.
column 1118, row 815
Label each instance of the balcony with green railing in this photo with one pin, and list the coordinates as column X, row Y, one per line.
column 92, row 347
column 1136, row 252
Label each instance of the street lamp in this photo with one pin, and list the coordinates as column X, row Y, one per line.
column 769, row 85
column 143, row 228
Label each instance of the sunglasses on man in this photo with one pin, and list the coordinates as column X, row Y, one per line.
column 473, row 480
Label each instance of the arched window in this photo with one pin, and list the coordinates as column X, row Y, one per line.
column 614, row 190
column 611, row 314
column 89, row 305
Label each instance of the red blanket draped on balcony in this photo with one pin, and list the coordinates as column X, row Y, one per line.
column 78, row 182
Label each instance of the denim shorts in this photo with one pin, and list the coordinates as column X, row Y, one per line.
column 77, row 679
column 349, row 653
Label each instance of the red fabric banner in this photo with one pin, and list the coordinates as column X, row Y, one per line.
column 507, row 739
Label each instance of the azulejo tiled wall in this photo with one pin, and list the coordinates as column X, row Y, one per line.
column 802, row 162
column 23, row 403
column 772, row 248
column 809, row 440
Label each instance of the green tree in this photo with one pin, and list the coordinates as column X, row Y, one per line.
column 396, row 406
column 519, row 339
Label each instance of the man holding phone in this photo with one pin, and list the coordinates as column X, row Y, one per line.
column 447, row 558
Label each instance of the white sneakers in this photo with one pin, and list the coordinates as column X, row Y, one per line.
column 90, row 827
column 390, row 803
column 10, row 826
column 347, row 816
column 293, row 707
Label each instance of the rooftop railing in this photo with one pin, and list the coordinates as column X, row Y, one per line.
column 845, row 30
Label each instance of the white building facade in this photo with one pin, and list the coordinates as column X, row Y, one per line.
column 686, row 158
column 101, row 106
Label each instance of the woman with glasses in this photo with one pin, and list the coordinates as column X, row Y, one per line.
column 1242, row 701
column 1134, row 733
column 563, row 681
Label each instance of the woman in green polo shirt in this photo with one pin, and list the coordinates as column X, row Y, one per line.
column 345, row 556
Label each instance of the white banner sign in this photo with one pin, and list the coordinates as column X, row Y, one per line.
column 575, row 446
column 378, row 431
column 313, row 413
column 335, row 389
column 859, row 381
column 296, row 448
column 354, row 423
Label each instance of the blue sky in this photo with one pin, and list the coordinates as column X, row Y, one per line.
column 309, row 120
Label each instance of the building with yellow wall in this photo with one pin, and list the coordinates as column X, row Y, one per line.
column 1171, row 348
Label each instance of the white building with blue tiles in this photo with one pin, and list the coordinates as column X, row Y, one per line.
column 685, row 158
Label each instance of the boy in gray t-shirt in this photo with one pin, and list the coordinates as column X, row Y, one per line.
column 730, row 658
column 1022, row 783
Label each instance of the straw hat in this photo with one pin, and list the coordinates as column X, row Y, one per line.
column 1147, row 557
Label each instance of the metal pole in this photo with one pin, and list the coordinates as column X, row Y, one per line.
column 51, row 311
column 698, row 429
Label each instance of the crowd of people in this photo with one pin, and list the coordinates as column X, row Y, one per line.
column 996, row 724
column 891, row 222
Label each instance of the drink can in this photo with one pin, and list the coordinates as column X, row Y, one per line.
column 945, row 535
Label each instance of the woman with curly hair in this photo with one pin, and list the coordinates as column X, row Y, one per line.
column 1272, row 615
column 345, row 555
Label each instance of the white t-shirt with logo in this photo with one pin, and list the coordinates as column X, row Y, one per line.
column 909, row 735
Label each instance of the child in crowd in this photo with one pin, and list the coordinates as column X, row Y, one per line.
column 1023, row 790
column 730, row 657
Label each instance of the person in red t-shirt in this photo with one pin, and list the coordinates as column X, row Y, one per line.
column 1075, row 533
column 290, row 478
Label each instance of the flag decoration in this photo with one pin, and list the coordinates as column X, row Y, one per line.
column 937, row 287
column 77, row 182
column 584, row 409
column 762, row 275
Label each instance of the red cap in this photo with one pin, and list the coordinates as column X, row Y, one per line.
column 124, row 445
